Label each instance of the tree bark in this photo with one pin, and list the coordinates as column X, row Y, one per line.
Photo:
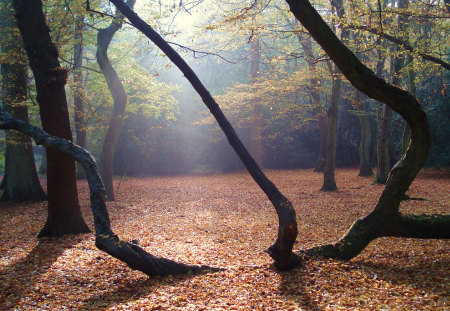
column 21, row 182
column 281, row 250
column 105, row 239
column 383, row 147
column 115, row 86
column 78, row 90
column 402, row 174
column 64, row 215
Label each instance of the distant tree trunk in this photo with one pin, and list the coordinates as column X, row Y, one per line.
column 385, row 219
column 365, row 168
column 412, row 89
column 329, row 183
column 21, row 182
column 78, row 91
column 319, row 111
column 256, row 128
column 281, row 250
column 64, row 215
column 115, row 86
column 383, row 147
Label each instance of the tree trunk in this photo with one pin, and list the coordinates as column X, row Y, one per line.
column 319, row 111
column 383, row 147
column 105, row 239
column 64, row 215
column 256, row 128
column 78, row 90
column 115, row 86
column 329, row 183
column 21, row 182
column 365, row 168
column 412, row 89
column 402, row 174
column 281, row 250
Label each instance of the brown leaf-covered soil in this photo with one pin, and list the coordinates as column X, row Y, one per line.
column 226, row 221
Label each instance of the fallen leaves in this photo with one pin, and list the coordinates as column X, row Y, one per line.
column 226, row 221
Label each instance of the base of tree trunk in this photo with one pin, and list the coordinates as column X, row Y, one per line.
column 60, row 229
column 373, row 226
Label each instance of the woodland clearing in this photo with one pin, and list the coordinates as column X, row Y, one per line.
column 225, row 220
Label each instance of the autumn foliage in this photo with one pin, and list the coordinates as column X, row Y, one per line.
column 226, row 221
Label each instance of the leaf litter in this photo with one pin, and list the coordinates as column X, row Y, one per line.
column 224, row 220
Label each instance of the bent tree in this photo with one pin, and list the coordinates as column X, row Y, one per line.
column 105, row 239
column 385, row 220
column 115, row 86
column 281, row 250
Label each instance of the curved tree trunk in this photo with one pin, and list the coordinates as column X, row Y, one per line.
column 105, row 239
column 281, row 250
column 115, row 86
column 64, row 215
column 20, row 182
column 402, row 174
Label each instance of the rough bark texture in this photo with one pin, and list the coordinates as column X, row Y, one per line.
column 20, row 182
column 105, row 239
column 64, row 215
column 364, row 230
column 115, row 86
column 78, row 91
column 281, row 250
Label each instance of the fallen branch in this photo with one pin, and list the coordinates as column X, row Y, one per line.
column 105, row 239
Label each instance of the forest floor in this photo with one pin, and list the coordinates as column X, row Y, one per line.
column 226, row 221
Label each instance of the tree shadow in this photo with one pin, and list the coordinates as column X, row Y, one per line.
column 130, row 291
column 19, row 277
column 429, row 277
column 299, row 292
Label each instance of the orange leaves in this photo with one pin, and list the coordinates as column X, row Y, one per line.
column 226, row 221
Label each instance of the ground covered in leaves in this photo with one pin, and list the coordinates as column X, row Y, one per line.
column 226, row 221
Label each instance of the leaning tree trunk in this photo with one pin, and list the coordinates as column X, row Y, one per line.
column 64, row 215
column 20, row 182
column 105, row 239
column 281, row 250
column 115, row 86
column 385, row 219
column 78, row 90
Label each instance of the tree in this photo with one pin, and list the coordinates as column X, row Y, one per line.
column 64, row 215
column 77, row 88
column 20, row 182
column 281, row 250
column 385, row 219
column 115, row 86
